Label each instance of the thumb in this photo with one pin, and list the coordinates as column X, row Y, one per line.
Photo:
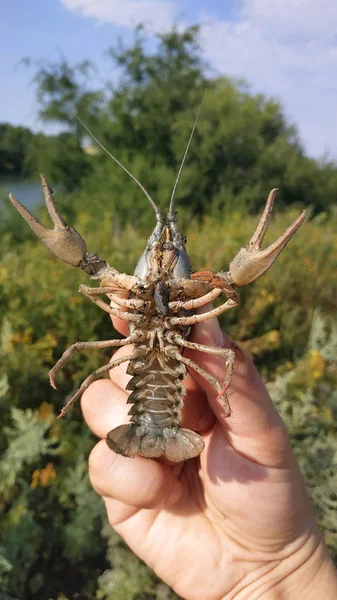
column 254, row 422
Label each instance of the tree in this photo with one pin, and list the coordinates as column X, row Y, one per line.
column 242, row 147
column 14, row 142
column 61, row 157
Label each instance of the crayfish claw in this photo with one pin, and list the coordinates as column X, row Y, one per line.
column 63, row 241
column 251, row 262
column 50, row 204
column 259, row 233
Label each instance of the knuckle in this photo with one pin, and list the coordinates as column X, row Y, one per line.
column 92, row 396
column 154, row 493
column 95, row 461
column 100, row 463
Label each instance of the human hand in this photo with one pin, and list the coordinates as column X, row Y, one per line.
column 236, row 523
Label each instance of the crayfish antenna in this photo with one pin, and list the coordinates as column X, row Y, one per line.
column 251, row 262
column 63, row 241
column 171, row 213
column 157, row 211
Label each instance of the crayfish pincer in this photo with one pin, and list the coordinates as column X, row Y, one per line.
column 159, row 303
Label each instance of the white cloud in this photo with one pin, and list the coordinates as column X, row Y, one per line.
column 298, row 18
column 285, row 48
column 127, row 13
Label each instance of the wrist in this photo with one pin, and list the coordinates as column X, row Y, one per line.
column 306, row 572
column 310, row 574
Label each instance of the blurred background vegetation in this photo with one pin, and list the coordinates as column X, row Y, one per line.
column 55, row 543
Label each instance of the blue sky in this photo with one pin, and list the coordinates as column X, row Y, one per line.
column 284, row 48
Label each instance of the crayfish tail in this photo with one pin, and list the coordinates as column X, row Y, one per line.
column 124, row 440
column 183, row 445
column 176, row 444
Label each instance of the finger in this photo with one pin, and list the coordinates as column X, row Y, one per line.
column 120, row 325
column 253, row 415
column 140, row 482
column 104, row 406
column 118, row 511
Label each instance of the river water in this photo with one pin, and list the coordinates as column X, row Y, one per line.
column 28, row 192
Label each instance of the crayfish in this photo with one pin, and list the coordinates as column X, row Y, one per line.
column 159, row 303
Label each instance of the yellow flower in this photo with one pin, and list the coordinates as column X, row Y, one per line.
column 43, row 477
column 47, row 474
column 316, row 364
column 45, row 411
column 35, row 479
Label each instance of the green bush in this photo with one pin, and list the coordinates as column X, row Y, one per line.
column 47, row 499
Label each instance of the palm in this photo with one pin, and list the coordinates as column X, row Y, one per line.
column 226, row 502
column 240, row 506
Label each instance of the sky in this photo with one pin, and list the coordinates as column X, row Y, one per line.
column 286, row 49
